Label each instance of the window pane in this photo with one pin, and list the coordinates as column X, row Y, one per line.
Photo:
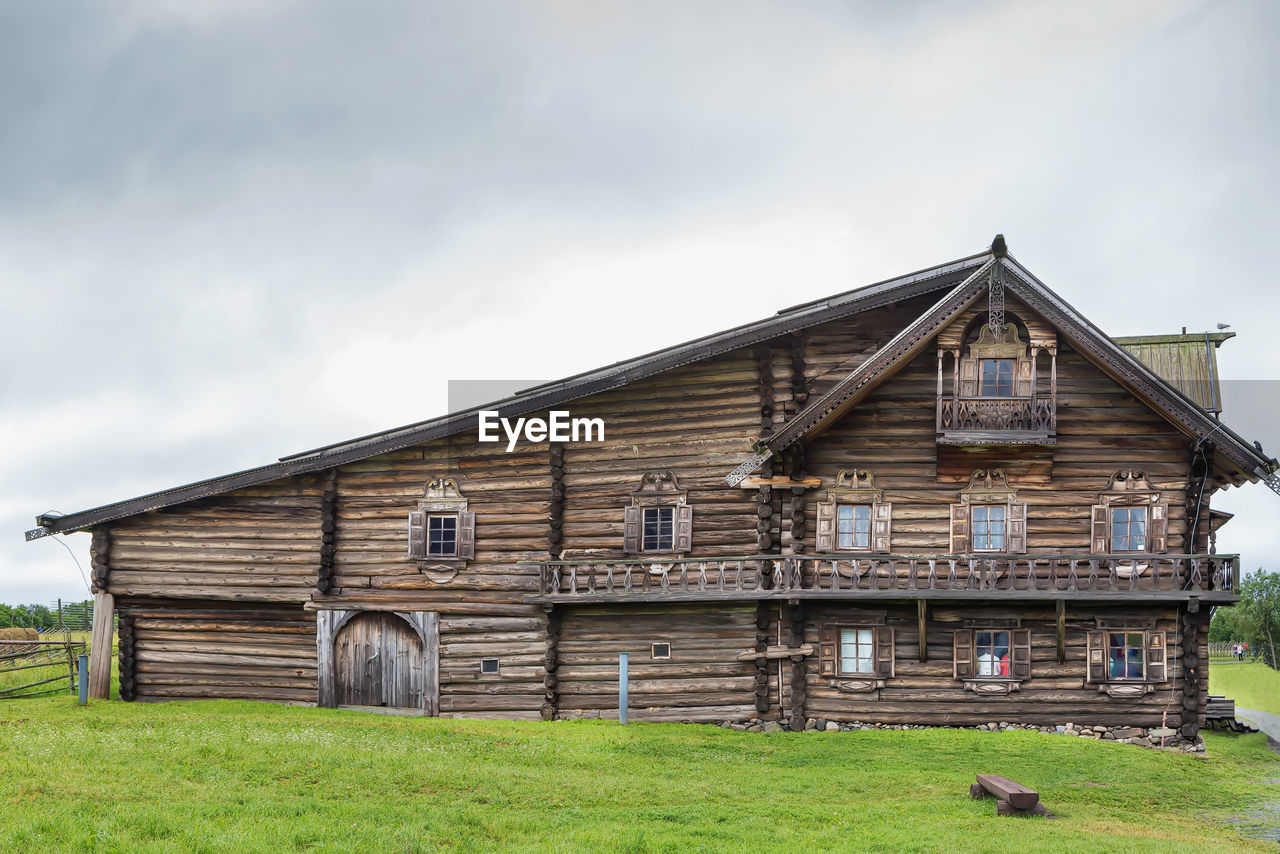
column 997, row 378
column 853, row 526
column 988, row 527
column 856, row 651
column 442, row 533
column 659, row 529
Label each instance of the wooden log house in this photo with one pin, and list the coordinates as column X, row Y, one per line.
column 946, row 499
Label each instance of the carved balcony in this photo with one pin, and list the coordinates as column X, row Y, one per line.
column 985, row 420
column 1175, row 577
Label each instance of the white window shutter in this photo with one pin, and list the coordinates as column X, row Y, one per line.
column 880, row 528
column 826, row 531
column 684, row 528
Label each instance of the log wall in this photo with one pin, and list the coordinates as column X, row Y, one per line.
column 703, row 680
column 184, row 649
column 926, row 692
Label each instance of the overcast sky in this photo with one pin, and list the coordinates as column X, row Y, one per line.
column 235, row 230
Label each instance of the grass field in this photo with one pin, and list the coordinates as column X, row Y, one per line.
column 239, row 776
column 1252, row 685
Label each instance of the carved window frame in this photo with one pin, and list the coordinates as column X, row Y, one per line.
column 1155, row 665
column 964, row 661
column 658, row 489
column 1008, row 345
column 989, row 488
column 1130, row 488
column 853, row 487
column 441, row 497
column 883, row 656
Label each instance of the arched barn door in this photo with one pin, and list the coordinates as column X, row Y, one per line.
column 379, row 661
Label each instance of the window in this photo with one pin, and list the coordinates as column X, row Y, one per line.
column 992, row 649
column 659, row 519
column 997, row 378
column 659, row 529
column 1125, row 655
column 988, row 527
column 441, row 528
column 1127, row 661
column 1131, row 515
column 660, row 651
column 989, row 517
column 489, row 666
column 1128, row 529
column 853, row 515
column 442, row 535
column 853, row 526
column 856, row 658
column 992, row 660
column 857, row 651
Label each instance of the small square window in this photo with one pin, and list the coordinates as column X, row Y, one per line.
column 993, row 653
column 1128, row 529
column 488, row 665
column 660, row 651
column 997, row 378
column 442, row 535
column 857, row 651
column 988, row 527
column 659, row 533
column 853, row 526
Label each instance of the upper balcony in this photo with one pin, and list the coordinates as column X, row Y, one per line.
column 994, row 392
column 1129, row 576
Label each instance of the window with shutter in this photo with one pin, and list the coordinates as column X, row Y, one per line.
column 441, row 528
column 988, row 518
column 992, row 660
column 852, row 515
column 1127, row 661
column 658, row 520
column 1130, row 516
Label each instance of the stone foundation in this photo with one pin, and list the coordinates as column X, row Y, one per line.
column 1173, row 740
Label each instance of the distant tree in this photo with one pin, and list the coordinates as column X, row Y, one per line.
column 1260, row 613
column 1230, row 625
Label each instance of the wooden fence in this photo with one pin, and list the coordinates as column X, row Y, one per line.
column 30, row 668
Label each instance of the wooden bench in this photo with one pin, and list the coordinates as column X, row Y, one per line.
column 1013, row 798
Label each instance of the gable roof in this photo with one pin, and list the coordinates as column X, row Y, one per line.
column 786, row 321
column 1105, row 353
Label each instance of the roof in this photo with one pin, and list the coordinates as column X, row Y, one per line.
column 1187, row 362
column 786, row 321
column 962, row 280
column 1091, row 341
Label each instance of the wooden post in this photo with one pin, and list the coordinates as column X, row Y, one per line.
column 921, row 615
column 104, row 618
column 83, row 672
column 1062, row 631
column 622, row 687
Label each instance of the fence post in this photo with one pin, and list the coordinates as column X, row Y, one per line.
column 622, row 687
column 83, row 681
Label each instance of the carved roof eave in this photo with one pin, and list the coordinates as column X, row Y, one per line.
column 1250, row 464
column 1127, row 370
column 904, row 346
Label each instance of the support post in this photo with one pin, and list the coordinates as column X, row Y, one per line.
column 922, row 615
column 83, row 681
column 1062, row 630
column 104, row 619
column 622, row 687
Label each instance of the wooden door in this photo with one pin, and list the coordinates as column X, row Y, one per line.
column 379, row 661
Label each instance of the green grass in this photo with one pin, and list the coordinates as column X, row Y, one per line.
column 239, row 776
column 1252, row 685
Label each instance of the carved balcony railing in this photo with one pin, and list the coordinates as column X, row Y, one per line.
column 986, row 419
column 1122, row 576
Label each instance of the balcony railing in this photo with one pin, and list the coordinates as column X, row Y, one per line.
column 888, row 576
column 1035, row 416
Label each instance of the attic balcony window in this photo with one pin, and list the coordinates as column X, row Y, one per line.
column 993, row 393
